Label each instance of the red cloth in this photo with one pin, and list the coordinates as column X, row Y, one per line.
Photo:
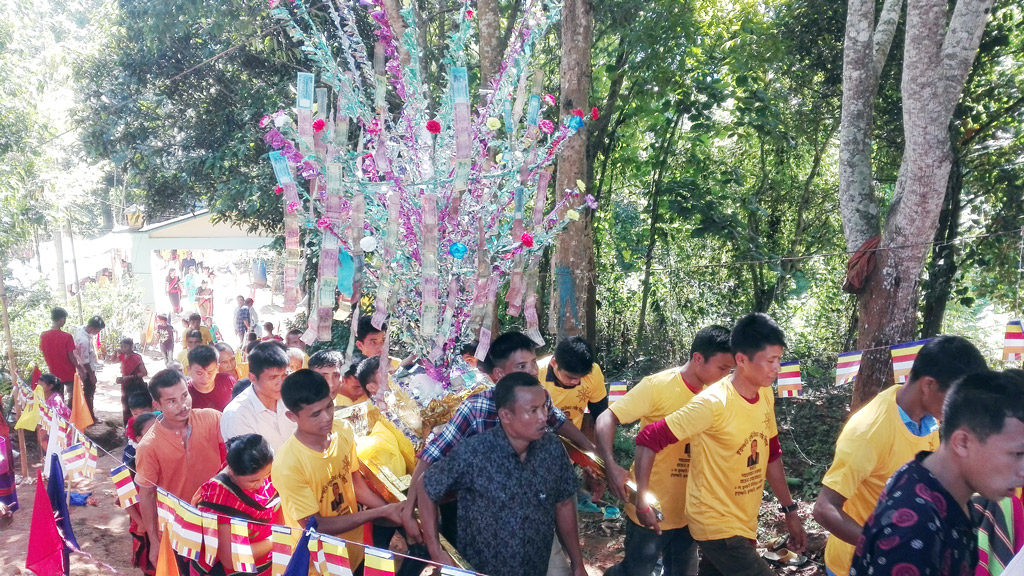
column 774, row 449
column 55, row 346
column 217, row 398
column 656, row 436
column 45, row 546
column 129, row 363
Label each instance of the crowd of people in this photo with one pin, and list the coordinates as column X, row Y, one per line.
column 916, row 471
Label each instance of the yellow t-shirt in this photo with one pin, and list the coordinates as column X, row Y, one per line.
column 312, row 482
column 183, row 358
column 405, row 447
column 727, row 470
column 652, row 399
column 381, row 447
column 873, row 445
column 342, row 401
column 573, row 401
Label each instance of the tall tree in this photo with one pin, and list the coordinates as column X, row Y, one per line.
column 938, row 53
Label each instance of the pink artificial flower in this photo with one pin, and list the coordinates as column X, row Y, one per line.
column 278, row 190
column 591, row 202
column 272, row 3
column 264, row 121
column 546, row 126
column 594, row 114
column 292, row 206
column 469, row 13
column 323, row 222
column 318, row 125
column 527, row 240
column 578, row 112
column 549, row 99
column 433, row 126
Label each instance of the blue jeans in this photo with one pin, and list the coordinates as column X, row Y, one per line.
column 643, row 547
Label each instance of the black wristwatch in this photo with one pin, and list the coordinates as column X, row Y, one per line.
column 791, row 508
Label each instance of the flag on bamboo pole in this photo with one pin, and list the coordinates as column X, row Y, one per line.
column 1013, row 342
column 616, row 390
column 280, row 549
column 790, row 385
column 80, row 415
column 242, row 559
column 334, row 552
column 127, row 494
column 210, row 541
column 31, row 412
column 166, row 563
column 73, row 458
column 45, row 547
column 54, row 445
column 378, row 562
column 848, row 366
column 188, row 531
column 59, row 501
column 165, row 507
column 903, row 356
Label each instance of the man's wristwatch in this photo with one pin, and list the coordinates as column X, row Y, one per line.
column 787, row 509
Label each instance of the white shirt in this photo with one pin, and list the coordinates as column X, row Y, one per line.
column 246, row 414
column 84, row 350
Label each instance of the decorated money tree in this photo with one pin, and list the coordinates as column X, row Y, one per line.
column 430, row 211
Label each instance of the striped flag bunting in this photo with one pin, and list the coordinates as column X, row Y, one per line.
column 127, row 494
column 848, row 366
column 1013, row 342
column 73, row 458
column 242, row 559
column 790, row 385
column 165, row 505
column 378, row 562
column 335, row 556
column 92, row 458
column 209, row 538
column 280, row 549
column 317, row 562
column 903, row 356
column 187, row 538
column 616, row 390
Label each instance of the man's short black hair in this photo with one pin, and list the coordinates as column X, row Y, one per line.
column 325, row 359
column 139, row 400
column 505, row 389
column 195, row 316
column 270, row 354
column 575, row 356
column 97, row 323
column 164, row 379
column 366, row 370
column 302, row 388
column 203, row 356
column 711, row 340
column 505, row 346
column 755, row 332
column 193, row 334
column 947, row 359
column 294, row 332
column 366, row 328
column 58, row 314
column 981, row 403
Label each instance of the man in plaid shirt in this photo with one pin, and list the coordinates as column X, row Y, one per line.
column 510, row 352
column 242, row 321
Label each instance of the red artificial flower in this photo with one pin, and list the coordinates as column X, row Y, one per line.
column 594, row 114
column 578, row 112
column 469, row 13
column 433, row 126
column 318, row 125
column 278, row 190
column 527, row 240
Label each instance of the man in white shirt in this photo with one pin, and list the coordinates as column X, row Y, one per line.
column 85, row 352
column 259, row 409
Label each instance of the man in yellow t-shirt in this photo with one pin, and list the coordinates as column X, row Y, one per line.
column 574, row 380
column 882, row 436
column 313, row 469
column 654, row 398
column 193, row 339
column 723, row 494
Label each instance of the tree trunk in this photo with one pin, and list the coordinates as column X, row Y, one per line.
column 942, row 266
column 488, row 21
column 572, row 264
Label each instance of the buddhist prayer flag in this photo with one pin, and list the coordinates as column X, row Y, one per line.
column 209, row 539
column 848, row 366
column 903, row 356
column 790, row 385
column 187, row 538
column 280, row 549
column 73, row 458
column 127, row 495
column 378, row 562
column 242, row 559
column 165, row 507
column 92, row 458
column 1013, row 342
column 335, row 556
column 616, row 390
column 30, row 413
column 316, row 556
column 298, row 565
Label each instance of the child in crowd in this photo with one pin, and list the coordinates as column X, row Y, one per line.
column 186, row 327
column 53, row 391
column 141, row 423
column 242, row 490
column 166, row 337
column 133, row 371
column 268, row 327
column 209, row 324
column 252, row 341
column 195, row 322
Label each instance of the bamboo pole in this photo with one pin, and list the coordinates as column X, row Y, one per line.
column 12, row 367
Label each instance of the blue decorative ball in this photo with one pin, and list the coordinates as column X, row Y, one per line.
column 458, row 250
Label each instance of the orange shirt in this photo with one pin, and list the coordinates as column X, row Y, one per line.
column 162, row 459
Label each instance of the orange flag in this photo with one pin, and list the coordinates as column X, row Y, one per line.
column 80, row 416
column 166, row 565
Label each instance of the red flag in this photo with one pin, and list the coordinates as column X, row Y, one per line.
column 36, row 374
column 45, row 547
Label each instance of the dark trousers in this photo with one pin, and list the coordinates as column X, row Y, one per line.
column 735, row 556
column 382, row 536
column 643, row 547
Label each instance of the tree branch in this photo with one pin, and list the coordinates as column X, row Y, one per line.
column 960, row 46
column 885, row 29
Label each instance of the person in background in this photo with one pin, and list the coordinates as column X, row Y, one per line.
column 295, row 359
column 574, row 380
column 921, row 523
column 202, row 380
column 138, row 403
column 294, row 339
column 242, row 490
column 268, row 329
column 188, row 261
column 215, row 333
column 204, row 299
column 166, row 337
column 53, row 392
column 242, row 321
column 259, row 409
column 367, row 374
column 329, row 364
column 172, row 285
column 227, row 364
column 191, row 285
column 133, row 372
column 58, row 348
column 195, row 322
column 254, row 317
column 88, row 363
column 141, row 425
column 881, row 437
column 193, row 338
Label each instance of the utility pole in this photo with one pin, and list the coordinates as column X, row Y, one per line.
column 74, row 263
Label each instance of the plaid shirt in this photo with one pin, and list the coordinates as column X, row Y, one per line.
column 241, row 318
column 476, row 415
